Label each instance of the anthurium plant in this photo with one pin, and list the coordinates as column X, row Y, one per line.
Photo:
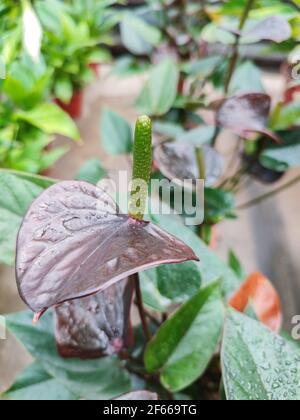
column 206, row 330
column 207, row 85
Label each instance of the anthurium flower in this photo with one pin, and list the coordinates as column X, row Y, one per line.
column 74, row 242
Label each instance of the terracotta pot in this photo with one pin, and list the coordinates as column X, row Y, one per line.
column 95, row 68
column 74, row 108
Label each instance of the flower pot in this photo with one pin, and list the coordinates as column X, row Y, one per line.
column 74, row 108
column 95, row 69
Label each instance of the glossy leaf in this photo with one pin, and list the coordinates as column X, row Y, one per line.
column 91, row 171
column 184, row 345
column 138, row 396
column 256, row 363
column 97, row 325
column 245, row 114
column 199, row 135
column 246, row 78
column 236, row 265
column 16, row 196
column 261, row 294
column 151, row 295
column 159, row 93
column 273, row 28
column 178, row 282
column 35, row 383
column 51, row 119
column 74, row 242
column 178, row 160
column 219, row 204
column 137, row 35
column 281, row 158
column 116, row 133
column 100, row 379
column 211, row 267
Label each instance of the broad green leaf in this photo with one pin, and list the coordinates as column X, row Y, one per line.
column 246, row 78
column 91, row 171
column 185, row 344
column 116, row 133
column 179, row 282
column 159, row 93
column 285, row 116
column 284, row 156
column 203, row 67
column 219, row 204
column 51, row 119
column 200, row 135
column 38, row 180
column 256, row 363
column 63, row 89
column 138, row 36
column 16, row 196
column 151, row 295
column 34, row 383
column 94, row 380
column 211, row 267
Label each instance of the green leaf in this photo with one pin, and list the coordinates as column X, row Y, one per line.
column 246, row 78
column 236, row 265
column 185, row 344
column 210, row 266
column 285, row 116
column 219, row 204
column 159, row 93
column 51, row 119
column 94, row 380
column 179, row 282
column 200, row 135
column 257, row 364
column 138, row 36
column 203, row 67
column 116, row 133
column 91, row 171
column 63, row 89
column 151, row 295
column 16, row 196
column 285, row 155
column 34, row 383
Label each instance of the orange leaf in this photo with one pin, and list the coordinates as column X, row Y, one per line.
column 265, row 299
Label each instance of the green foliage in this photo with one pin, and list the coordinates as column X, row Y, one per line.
column 91, row 171
column 184, row 345
column 116, row 133
column 257, row 364
column 160, row 92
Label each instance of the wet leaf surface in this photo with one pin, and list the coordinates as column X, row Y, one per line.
column 74, row 243
column 273, row 28
column 36, row 383
column 97, row 325
column 245, row 114
column 177, row 160
column 138, row 396
column 256, row 363
column 184, row 345
column 100, row 379
column 258, row 291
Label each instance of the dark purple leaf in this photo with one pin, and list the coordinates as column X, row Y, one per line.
column 245, row 114
column 138, row 396
column 177, row 160
column 97, row 325
column 74, row 242
column 273, row 28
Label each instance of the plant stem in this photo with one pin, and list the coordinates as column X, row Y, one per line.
column 201, row 162
column 142, row 163
column 270, row 194
column 235, row 56
column 140, row 306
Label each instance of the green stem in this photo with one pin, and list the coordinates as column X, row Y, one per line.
column 235, row 56
column 142, row 164
column 270, row 194
column 201, row 162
